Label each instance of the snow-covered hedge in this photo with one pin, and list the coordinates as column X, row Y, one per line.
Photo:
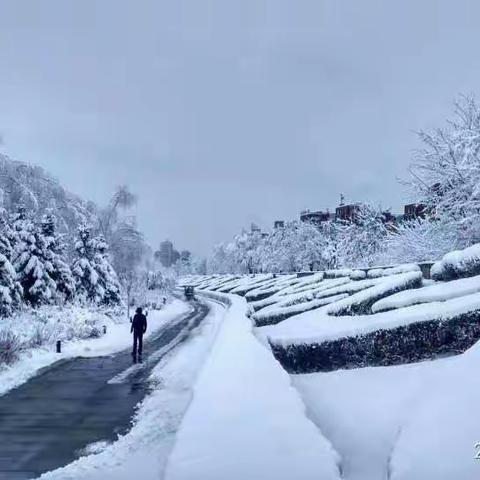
column 458, row 264
column 279, row 313
column 361, row 302
column 438, row 292
column 404, row 344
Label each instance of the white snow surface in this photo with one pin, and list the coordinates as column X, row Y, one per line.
column 408, row 422
column 143, row 452
column 117, row 338
column 246, row 421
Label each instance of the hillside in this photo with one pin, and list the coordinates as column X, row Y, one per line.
column 32, row 186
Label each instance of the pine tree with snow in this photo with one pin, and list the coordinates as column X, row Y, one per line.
column 6, row 235
column 20, row 226
column 54, row 252
column 32, row 263
column 10, row 289
column 107, row 277
column 95, row 279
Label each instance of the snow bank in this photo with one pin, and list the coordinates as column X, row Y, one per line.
column 246, row 421
column 117, row 338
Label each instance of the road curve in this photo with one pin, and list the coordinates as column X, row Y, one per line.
column 47, row 422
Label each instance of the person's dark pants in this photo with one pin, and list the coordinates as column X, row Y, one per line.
column 137, row 341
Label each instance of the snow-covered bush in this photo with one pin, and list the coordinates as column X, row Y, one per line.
column 458, row 264
column 43, row 326
column 404, row 344
column 10, row 346
column 358, row 275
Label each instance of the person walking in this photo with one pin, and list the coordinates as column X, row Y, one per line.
column 138, row 328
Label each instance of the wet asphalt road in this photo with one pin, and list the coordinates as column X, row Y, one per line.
column 47, row 422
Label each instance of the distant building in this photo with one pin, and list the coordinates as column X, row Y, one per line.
column 414, row 210
column 279, row 224
column 347, row 213
column 167, row 255
column 316, row 218
column 255, row 228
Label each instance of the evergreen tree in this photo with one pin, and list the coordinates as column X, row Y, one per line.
column 54, row 253
column 95, row 279
column 107, row 277
column 6, row 235
column 10, row 289
column 32, row 263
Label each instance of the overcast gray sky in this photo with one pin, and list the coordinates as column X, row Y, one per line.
column 219, row 113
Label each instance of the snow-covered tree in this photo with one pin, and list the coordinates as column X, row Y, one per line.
column 445, row 175
column 54, row 253
column 32, row 262
column 417, row 240
column 95, row 279
column 6, row 235
column 245, row 249
column 362, row 239
column 10, row 290
column 129, row 248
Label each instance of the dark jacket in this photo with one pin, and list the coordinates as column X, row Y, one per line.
column 139, row 323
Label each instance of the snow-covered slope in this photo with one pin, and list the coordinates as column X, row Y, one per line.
column 32, row 186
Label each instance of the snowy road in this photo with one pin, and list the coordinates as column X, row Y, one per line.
column 48, row 421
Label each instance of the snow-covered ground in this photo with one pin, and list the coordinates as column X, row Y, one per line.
column 143, row 452
column 117, row 338
column 409, row 422
column 246, row 421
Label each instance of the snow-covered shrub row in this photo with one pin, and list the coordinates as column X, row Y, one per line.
column 278, row 314
column 458, row 264
column 346, row 272
column 302, row 289
column 437, row 292
column 361, row 303
column 271, row 287
column 33, row 328
column 252, row 284
column 383, row 347
column 278, row 307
